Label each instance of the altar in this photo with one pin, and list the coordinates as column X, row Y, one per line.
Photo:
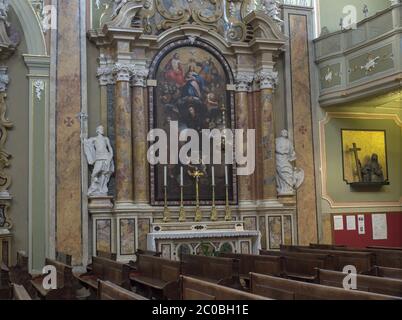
column 207, row 238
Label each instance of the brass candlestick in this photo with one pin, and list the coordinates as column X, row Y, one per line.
column 166, row 211
column 197, row 174
column 228, row 211
column 182, row 213
column 214, row 212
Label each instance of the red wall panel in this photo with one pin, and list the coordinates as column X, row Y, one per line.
column 353, row 239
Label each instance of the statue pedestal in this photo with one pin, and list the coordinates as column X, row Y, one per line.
column 100, row 202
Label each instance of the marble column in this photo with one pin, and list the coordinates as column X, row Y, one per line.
column 123, row 125
column 140, row 131
column 105, row 77
column 267, row 80
column 243, row 83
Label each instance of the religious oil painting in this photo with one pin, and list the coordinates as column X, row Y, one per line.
column 191, row 91
column 364, row 157
column 275, row 232
column 127, row 236
column 103, row 235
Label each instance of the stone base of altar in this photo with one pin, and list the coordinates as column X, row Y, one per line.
column 204, row 238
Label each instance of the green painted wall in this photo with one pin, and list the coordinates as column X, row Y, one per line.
column 331, row 11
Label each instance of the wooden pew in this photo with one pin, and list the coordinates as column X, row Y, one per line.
column 4, row 281
column 110, row 291
column 270, row 265
column 195, row 289
column 285, row 289
column 106, row 255
column 19, row 274
column 385, row 272
column 302, row 266
column 382, row 256
column 385, row 286
column 223, row 271
column 157, row 277
column 384, row 248
column 64, row 258
column 64, row 289
column 363, row 261
column 19, row 292
column 107, row 270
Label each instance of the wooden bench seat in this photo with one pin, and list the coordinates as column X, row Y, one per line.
column 106, row 270
column 285, row 289
column 156, row 277
column 195, row 289
column 110, row 291
column 385, row 286
column 19, row 292
column 224, row 271
column 64, row 289
column 385, row 272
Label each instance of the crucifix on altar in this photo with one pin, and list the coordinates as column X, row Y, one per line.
column 355, row 151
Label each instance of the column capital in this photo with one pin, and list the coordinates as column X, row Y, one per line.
column 105, row 75
column 139, row 77
column 122, row 72
column 243, row 81
column 4, row 79
column 267, row 79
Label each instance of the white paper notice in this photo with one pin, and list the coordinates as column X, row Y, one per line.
column 380, row 231
column 338, row 222
column 360, row 224
column 351, row 222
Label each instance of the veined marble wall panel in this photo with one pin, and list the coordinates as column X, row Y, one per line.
column 68, row 151
column 302, row 126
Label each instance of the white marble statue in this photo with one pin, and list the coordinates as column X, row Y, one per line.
column 99, row 154
column 4, row 23
column 271, row 8
column 288, row 177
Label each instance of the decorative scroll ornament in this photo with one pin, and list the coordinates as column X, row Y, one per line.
column 39, row 86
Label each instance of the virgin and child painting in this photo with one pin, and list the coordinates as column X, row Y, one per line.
column 191, row 90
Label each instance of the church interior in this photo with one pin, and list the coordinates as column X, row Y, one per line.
column 200, row 150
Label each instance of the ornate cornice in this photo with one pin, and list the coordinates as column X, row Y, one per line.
column 267, row 79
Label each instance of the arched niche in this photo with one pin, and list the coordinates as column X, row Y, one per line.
column 31, row 26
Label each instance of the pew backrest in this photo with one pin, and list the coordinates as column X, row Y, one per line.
column 211, row 268
column 64, row 273
column 109, row 270
column 385, row 286
column 195, row 289
column 271, row 265
column 273, row 287
column 158, row 268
